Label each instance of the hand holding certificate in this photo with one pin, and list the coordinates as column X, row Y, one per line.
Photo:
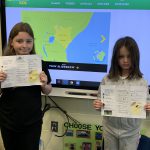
column 21, row 70
column 124, row 101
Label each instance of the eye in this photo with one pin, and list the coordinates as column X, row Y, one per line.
column 121, row 56
column 19, row 41
column 128, row 56
column 29, row 41
column 22, row 40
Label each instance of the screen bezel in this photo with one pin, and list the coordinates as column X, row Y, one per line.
column 3, row 24
column 4, row 42
column 61, row 91
column 4, row 39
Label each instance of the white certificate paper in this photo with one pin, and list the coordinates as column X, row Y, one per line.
column 124, row 101
column 21, row 70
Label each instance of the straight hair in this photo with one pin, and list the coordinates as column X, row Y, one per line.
column 19, row 27
column 130, row 44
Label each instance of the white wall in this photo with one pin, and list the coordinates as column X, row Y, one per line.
column 1, row 143
column 80, row 109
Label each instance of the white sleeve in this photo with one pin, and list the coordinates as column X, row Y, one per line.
column 99, row 89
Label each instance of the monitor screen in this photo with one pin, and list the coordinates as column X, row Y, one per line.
column 76, row 38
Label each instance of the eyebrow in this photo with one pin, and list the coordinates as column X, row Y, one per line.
column 25, row 39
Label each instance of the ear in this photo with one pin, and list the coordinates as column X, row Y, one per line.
column 11, row 42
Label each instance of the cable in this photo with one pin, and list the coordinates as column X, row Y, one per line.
column 68, row 117
column 46, row 108
column 65, row 112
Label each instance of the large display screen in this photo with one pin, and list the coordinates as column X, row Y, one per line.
column 76, row 38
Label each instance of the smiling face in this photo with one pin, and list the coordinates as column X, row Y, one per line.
column 124, row 61
column 22, row 43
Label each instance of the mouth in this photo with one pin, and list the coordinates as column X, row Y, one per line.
column 126, row 65
column 24, row 50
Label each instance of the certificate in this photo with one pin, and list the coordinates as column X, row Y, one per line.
column 124, row 101
column 21, row 70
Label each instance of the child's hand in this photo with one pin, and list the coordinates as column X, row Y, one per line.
column 147, row 107
column 97, row 104
column 43, row 78
column 3, row 76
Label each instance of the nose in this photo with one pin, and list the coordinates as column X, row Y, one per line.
column 126, row 59
column 24, row 44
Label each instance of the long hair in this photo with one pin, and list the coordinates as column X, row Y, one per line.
column 19, row 27
column 130, row 44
